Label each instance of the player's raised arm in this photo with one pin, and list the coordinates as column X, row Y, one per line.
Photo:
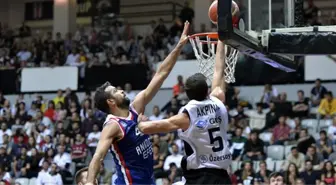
column 218, row 83
column 110, row 133
column 145, row 96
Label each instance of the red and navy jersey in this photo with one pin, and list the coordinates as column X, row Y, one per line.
column 133, row 153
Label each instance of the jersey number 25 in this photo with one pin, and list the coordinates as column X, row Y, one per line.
column 220, row 145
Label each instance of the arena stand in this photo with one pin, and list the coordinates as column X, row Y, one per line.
column 267, row 132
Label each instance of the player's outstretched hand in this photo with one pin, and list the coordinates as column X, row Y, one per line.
column 142, row 118
column 184, row 37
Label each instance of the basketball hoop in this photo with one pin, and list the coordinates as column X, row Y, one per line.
column 206, row 59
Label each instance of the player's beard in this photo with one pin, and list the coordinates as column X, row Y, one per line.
column 124, row 103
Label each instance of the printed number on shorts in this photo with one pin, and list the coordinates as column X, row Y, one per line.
column 219, row 146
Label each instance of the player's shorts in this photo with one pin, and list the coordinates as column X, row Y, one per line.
column 207, row 176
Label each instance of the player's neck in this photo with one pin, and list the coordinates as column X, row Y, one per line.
column 121, row 112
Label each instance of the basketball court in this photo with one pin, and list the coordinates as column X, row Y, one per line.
column 272, row 31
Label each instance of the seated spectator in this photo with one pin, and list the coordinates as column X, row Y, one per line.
column 46, row 143
column 29, row 126
column 254, row 148
column 47, row 176
column 59, row 97
column 62, row 158
column 176, row 87
column 295, row 157
column 328, row 175
column 5, row 130
column 156, row 114
column 305, row 141
column 301, row 107
column 5, row 176
column 73, row 58
column 48, row 156
column 264, row 173
column 93, row 138
column 21, row 163
column 257, row 118
column 310, row 175
column 50, row 112
column 246, row 175
column 283, row 107
column 327, row 107
column 317, row 93
column 175, row 158
column 5, row 159
column 237, row 144
column 104, row 176
column 17, row 147
column 182, row 96
column 163, row 145
column 173, row 106
column 270, row 93
column 324, row 145
column 240, row 117
column 129, row 92
column 271, row 117
column 174, row 173
column 79, row 150
column 87, row 105
column 315, row 157
column 295, row 132
column 87, row 124
column 34, row 168
column 291, row 174
column 158, row 161
column 24, row 55
column 332, row 131
column 280, row 132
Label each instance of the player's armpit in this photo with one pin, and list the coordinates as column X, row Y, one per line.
column 218, row 93
column 179, row 121
column 110, row 133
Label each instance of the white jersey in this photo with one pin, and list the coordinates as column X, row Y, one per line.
column 206, row 135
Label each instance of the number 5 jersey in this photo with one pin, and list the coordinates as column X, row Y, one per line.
column 206, row 144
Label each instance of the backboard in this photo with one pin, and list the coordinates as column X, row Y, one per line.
column 273, row 31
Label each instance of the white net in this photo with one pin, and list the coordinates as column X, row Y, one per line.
column 205, row 52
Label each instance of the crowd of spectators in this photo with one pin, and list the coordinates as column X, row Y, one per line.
column 58, row 136
column 105, row 46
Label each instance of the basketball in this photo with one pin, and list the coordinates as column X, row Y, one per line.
column 213, row 12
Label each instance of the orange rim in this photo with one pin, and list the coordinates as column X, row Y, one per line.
column 212, row 35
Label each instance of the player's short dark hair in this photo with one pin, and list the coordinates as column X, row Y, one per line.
column 275, row 175
column 78, row 176
column 196, row 87
column 101, row 96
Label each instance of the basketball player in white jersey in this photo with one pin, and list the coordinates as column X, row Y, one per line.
column 203, row 126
